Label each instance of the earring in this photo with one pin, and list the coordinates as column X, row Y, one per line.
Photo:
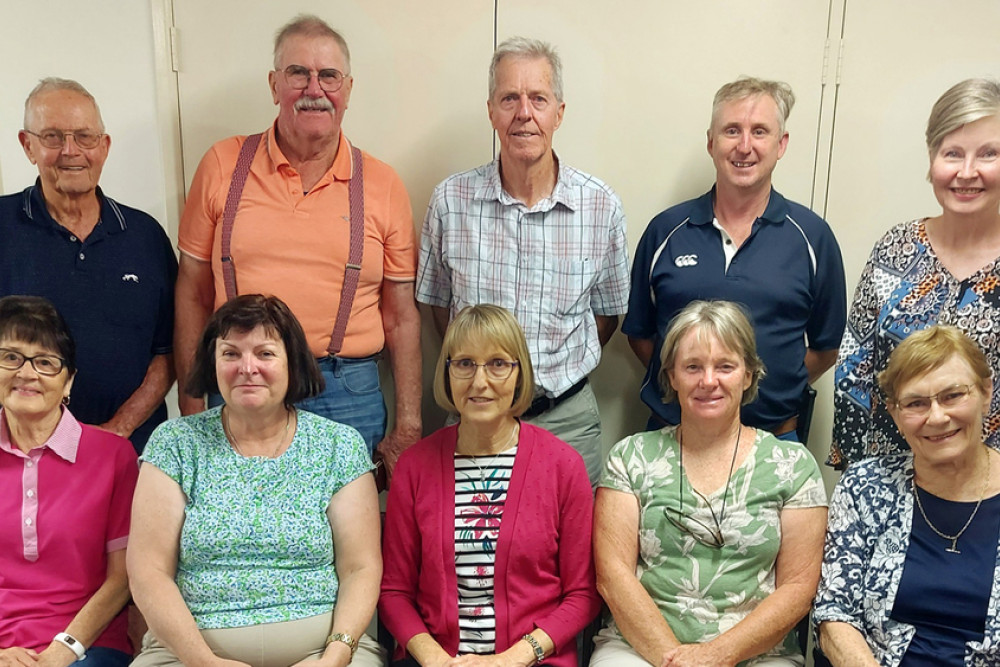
column 65, row 399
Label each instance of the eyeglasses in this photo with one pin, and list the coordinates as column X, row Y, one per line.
column 710, row 536
column 57, row 138
column 297, row 77
column 918, row 406
column 496, row 369
column 44, row 364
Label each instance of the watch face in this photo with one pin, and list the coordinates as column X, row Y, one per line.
column 69, row 640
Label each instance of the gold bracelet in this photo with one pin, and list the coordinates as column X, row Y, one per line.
column 351, row 642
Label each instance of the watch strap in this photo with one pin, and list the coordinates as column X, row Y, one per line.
column 345, row 638
column 536, row 647
column 72, row 643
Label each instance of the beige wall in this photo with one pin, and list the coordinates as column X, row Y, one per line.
column 639, row 80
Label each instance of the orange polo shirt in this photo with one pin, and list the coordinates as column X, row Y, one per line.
column 295, row 246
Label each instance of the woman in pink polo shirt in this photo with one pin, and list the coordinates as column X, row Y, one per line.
column 65, row 499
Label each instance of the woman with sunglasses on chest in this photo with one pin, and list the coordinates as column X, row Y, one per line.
column 707, row 535
column 487, row 554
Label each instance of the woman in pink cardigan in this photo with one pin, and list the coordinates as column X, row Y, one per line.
column 487, row 556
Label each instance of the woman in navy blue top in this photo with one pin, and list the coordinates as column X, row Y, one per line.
column 911, row 560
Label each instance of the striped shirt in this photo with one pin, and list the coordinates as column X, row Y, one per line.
column 555, row 265
column 480, row 493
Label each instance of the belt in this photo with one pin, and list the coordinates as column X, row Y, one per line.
column 786, row 426
column 545, row 403
column 337, row 362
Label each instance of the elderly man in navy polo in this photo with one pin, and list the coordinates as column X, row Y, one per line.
column 742, row 241
column 108, row 268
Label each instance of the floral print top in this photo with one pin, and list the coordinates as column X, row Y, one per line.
column 868, row 533
column 700, row 590
column 904, row 288
column 481, row 484
column 256, row 545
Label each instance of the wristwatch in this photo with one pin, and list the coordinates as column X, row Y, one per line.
column 351, row 642
column 72, row 643
column 536, row 647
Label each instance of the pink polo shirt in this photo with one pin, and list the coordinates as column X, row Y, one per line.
column 63, row 507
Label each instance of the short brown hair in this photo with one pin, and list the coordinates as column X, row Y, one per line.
column 725, row 320
column 33, row 319
column 246, row 313
column 928, row 350
column 486, row 324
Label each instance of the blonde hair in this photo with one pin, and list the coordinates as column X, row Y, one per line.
column 964, row 103
column 926, row 351
column 486, row 324
column 729, row 324
column 749, row 86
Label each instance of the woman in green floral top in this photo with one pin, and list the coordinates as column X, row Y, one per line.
column 709, row 534
column 255, row 525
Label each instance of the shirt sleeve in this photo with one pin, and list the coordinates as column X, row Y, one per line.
column 163, row 450
column 610, row 294
column 580, row 602
column 433, row 280
column 202, row 210
column 350, row 458
column 846, row 556
column 640, row 322
column 854, row 377
column 399, row 252
column 120, row 510
column 807, row 488
column 397, row 605
column 616, row 474
column 829, row 312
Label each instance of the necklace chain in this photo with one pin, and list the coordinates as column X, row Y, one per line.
column 482, row 471
column 236, row 445
column 729, row 479
column 953, row 549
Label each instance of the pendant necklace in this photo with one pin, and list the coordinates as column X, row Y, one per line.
column 953, row 549
column 482, row 471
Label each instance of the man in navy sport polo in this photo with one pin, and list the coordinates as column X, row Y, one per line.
column 109, row 269
column 742, row 241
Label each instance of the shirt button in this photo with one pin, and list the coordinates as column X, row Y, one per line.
column 729, row 242
column 82, row 256
column 27, row 522
column 31, row 493
column 72, row 238
column 28, row 464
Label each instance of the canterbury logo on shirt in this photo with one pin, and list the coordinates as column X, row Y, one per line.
column 686, row 260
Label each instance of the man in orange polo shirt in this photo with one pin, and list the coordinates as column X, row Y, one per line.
column 292, row 217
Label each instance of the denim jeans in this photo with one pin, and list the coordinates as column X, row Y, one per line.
column 353, row 396
column 101, row 656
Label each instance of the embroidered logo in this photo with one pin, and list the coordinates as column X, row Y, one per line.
column 686, row 260
column 130, row 277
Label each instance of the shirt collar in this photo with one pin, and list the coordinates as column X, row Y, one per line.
column 64, row 441
column 492, row 188
column 34, row 209
column 703, row 212
column 340, row 170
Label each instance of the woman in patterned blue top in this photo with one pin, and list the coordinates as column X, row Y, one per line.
column 255, row 526
column 939, row 270
column 910, row 572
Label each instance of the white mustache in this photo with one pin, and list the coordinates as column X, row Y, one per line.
column 313, row 104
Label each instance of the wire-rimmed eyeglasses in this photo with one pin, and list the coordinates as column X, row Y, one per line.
column 298, row 76
column 44, row 364
column 57, row 138
column 918, row 406
column 496, row 369
column 712, row 535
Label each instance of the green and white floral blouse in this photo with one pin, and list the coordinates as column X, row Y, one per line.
column 256, row 545
column 703, row 591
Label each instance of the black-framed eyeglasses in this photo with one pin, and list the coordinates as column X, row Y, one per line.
column 297, row 77
column 496, row 369
column 918, row 406
column 44, row 364
column 57, row 138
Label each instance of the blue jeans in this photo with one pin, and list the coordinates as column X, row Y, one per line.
column 353, row 396
column 101, row 656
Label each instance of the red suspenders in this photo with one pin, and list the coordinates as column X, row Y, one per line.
column 356, row 195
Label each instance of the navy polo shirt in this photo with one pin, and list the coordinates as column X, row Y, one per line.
column 115, row 290
column 788, row 275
